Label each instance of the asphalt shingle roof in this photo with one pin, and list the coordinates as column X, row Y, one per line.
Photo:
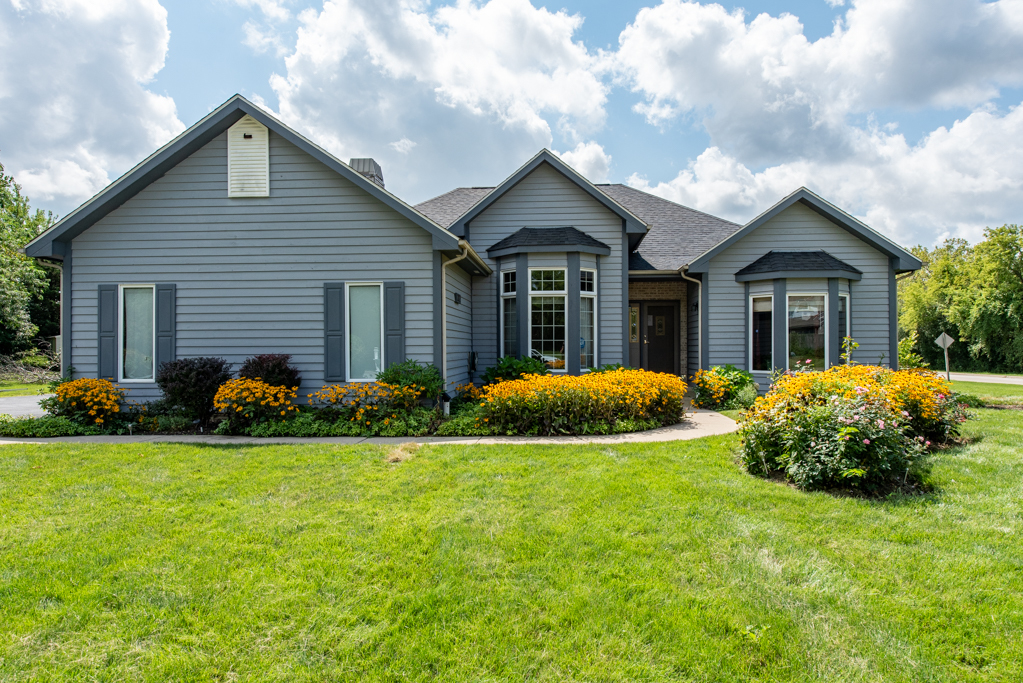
column 548, row 237
column 677, row 236
column 775, row 261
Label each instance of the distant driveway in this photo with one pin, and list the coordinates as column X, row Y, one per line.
column 991, row 379
column 22, row 406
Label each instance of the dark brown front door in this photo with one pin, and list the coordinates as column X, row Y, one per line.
column 660, row 331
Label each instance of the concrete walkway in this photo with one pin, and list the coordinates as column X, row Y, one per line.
column 22, row 406
column 990, row 379
column 700, row 423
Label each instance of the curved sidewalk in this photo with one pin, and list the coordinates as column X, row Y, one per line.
column 700, row 423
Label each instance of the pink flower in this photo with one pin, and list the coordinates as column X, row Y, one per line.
column 880, row 424
column 808, row 361
column 866, row 441
column 928, row 443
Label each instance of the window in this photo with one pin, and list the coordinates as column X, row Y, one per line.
column 761, row 337
column 509, row 316
column 587, row 319
column 137, row 350
column 808, row 331
column 547, row 317
column 843, row 317
column 365, row 331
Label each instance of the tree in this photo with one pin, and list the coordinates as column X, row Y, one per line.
column 28, row 293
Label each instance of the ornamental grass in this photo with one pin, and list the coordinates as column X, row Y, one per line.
column 596, row 403
column 246, row 402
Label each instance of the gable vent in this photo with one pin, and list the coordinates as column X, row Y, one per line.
column 248, row 159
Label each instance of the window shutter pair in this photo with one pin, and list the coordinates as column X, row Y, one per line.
column 107, row 323
column 334, row 328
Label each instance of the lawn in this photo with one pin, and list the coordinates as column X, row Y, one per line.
column 993, row 394
column 10, row 388
column 596, row 563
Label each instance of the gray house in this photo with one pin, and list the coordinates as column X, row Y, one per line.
column 241, row 237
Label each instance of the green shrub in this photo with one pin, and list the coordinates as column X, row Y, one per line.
column 724, row 387
column 192, row 384
column 413, row 373
column 909, row 359
column 511, row 368
column 39, row 427
column 969, row 400
column 466, row 422
column 609, row 367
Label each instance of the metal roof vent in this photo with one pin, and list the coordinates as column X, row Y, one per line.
column 248, row 159
column 369, row 168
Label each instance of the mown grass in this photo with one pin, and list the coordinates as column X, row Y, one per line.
column 596, row 563
column 11, row 388
column 991, row 393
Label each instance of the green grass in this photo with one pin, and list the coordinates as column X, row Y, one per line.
column 20, row 389
column 542, row 563
column 993, row 394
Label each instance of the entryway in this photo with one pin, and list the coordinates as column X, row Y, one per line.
column 654, row 336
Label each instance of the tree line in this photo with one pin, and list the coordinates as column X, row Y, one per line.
column 975, row 294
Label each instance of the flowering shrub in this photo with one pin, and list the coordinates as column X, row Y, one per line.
column 245, row 402
column 861, row 426
column 598, row 403
column 724, row 387
column 411, row 372
column 86, row 401
column 366, row 404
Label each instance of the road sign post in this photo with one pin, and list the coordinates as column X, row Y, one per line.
column 945, row 341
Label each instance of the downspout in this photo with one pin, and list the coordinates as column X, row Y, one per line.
column 444, row 310
column 699, row 317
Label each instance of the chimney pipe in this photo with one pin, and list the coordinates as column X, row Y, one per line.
column 369, row 168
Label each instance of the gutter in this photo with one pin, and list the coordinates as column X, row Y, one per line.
column 699, row 317
column 464, row 246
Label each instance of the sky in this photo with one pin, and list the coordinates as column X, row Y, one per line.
column 905, row 113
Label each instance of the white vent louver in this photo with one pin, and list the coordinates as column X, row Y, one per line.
column 248, row 159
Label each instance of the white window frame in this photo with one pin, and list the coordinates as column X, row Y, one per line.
column 827, row 343
column 348, row 335
column 500, row 313
column 588, row 295
column 749, row 341
column 563, row 293
column 120, row 334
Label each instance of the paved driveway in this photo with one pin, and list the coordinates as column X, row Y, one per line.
column 991, row 379
column 21, row 406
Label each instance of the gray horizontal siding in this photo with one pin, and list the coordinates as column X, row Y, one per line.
column 250, row 271
column 798, row 229
column 459, row 327
column 545, row 198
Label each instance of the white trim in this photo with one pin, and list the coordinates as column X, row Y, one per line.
column 789, row 295
column 596, row 317
column 120, row 334
column 348, row 335
column 749, row 341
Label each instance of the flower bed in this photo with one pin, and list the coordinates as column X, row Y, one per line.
column 596, row 403
column 724, row 388
column 856, row 426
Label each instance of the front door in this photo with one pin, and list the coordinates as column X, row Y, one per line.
column 660, row 338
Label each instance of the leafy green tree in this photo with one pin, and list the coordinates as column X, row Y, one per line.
column 28, row 293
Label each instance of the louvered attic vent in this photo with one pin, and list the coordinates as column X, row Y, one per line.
column 248, row 159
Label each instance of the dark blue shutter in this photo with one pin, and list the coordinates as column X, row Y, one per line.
column 394, row 323
column 106, row 347
column 333, row 332
column 166, row 324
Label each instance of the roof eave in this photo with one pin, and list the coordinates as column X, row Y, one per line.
column 788, row 274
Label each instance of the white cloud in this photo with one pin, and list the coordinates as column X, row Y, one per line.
column 953, row 183
column 589, row 159
column 274, row 10
column 478, row 86
column 73, row 104
column 403, row 146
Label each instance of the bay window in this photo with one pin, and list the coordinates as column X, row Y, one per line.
column 761, row 333
column 137, row 356
column 509, row 315
column 843, row 318
column 547, row 317
column 587, row 319
column 807, row 331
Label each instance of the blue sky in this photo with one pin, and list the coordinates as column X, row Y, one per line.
column 902, row 112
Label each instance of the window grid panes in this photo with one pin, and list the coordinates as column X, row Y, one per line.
column 511, row 328
column 587, row 281
column 547, row 280
column 807, row 332
column 587, row 349
column 761, row 334
column 365, row 350
column 508, row 282
column 547, row 327
column 137, row 350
